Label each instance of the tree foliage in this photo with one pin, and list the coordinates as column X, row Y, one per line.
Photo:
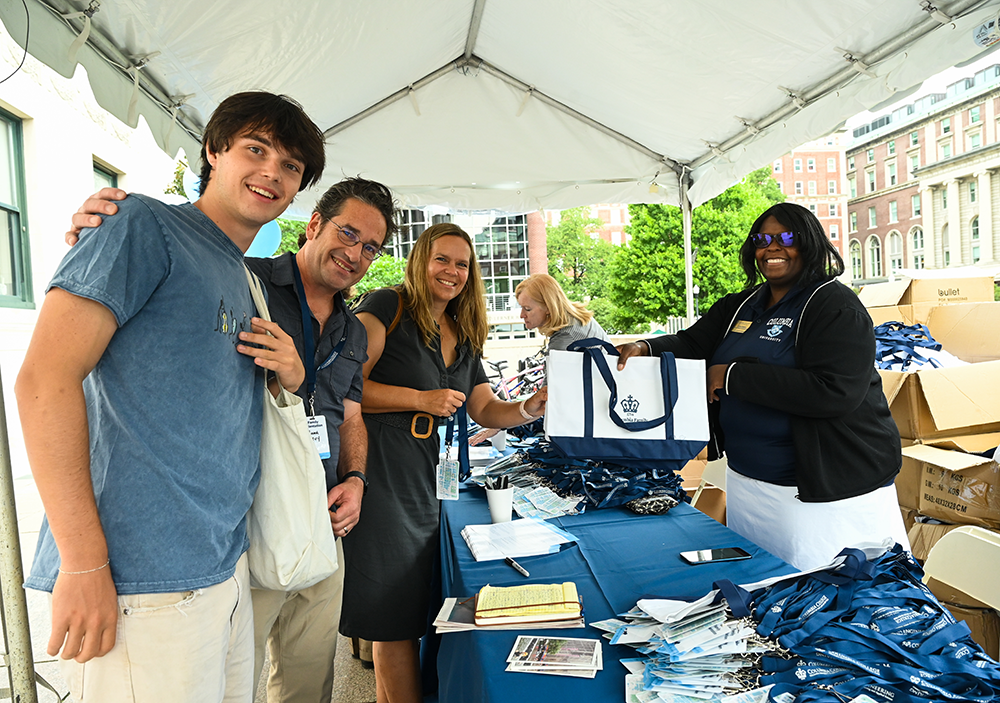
column 646, row 280
column 578, row 259
column 385, row 271
column 176, row 186
column 291, row 230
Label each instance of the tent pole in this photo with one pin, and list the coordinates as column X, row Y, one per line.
column 683, row 180
column 15, row 606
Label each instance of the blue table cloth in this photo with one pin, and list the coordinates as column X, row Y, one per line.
column 619, row 558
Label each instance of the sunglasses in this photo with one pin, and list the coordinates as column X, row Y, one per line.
column 761, row 240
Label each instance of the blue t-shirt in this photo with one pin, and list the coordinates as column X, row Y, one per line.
column 174, row 410
column 759, row 438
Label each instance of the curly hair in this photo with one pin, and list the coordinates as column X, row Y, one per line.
column 820, row 260
column 562, row 311
column 468, row 308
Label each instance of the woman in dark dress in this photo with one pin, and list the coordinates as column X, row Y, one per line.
column 425, row 341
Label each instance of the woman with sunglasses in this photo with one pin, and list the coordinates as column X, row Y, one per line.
column 795, row 401
column 425, row 344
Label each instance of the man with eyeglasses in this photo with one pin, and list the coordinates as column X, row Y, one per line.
column 348, row 227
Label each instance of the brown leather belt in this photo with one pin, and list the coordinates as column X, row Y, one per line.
column 420, row 425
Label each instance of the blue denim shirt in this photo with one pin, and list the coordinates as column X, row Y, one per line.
column 174, row 410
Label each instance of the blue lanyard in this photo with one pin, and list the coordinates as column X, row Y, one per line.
column 309, row 350
column 464, row 466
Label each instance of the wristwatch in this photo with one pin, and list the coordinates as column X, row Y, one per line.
column 358, row 474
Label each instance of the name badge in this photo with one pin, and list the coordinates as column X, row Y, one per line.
column 317, row 430
column 447, row 479
column 741, row 326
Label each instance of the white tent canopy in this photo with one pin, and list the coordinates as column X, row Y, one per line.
column 517, row 104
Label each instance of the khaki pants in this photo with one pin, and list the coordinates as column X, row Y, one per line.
column 187, row 647
column 299, row 629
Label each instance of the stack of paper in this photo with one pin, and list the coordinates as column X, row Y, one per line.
column 531, row 603
column 460, row 615
column 693, row 652
column 543, row 502
column 559, row 656
column 518, row 538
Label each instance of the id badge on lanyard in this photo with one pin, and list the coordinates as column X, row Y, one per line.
column 449, row 471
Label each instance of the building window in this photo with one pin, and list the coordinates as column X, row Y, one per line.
column 874, row 257
column 872, row 222
column 15, row 283
column 831, row 164
column 945, row 150
column 974, row 114
column 915, row 204
column 975, row 240
column 895, row 245
column 834, row 231
column 972, row 191
column 856, row 272
column 890, row 173
column 975, row 141
column 811, row 164
column 798, row 165
column 870, row 155
column 798, row 187
column 411, row 224
column 852, row 186
column 946, row 125
column 812, row 187
column 914, row 138
column 892, row 211
column 892, row 147
column 850, row 163
column 854, row 222
column 502, row 250
column 831, row 187
column 917, row 247
column 914, row 163
column 777, row 166
column 104, row 178
column 944, row 199
column 833, row 209
column 870, row 175
column 944, row 245
column 781, row 186
column 812, row 208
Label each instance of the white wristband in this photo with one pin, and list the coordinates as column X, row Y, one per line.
column 524, row 413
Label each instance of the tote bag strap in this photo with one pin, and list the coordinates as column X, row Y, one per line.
column 668, row 377
column 257, row 293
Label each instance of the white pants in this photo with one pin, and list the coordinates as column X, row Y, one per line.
column 808, row 535
column 186, row 647
column 299, row 628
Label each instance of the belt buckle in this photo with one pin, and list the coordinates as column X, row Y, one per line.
column 430, row 425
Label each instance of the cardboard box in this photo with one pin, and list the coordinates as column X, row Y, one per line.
column 909, row 517
column 955, row 486
column 970, row 331
column 923, row 536
column 910, row 301
column 933, row 403
column 908, row 482
column 713, row 503
column 953, row 596
column 984, row 624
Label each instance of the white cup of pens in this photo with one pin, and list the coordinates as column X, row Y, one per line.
column 500, row 496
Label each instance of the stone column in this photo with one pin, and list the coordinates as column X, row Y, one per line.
column 931, row 243
column 954, row 224
column 985, row 196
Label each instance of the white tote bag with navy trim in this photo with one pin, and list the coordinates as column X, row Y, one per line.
column 651, row 413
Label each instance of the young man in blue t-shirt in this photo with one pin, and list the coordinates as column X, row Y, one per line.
column 140, row 400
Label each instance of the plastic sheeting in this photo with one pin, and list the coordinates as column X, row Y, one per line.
column 521, row 104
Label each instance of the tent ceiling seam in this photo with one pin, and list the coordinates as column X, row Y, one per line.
column 106, row 50
column 799, row 99
column 473, row 36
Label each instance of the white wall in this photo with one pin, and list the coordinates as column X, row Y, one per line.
column 64, row 130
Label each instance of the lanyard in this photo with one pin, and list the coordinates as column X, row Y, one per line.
column 463, row 441
column 309, row 348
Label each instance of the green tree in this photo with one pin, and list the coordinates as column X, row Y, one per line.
column 176, row 186
column 578, row 260
column 646, row 280
column 384, row 271
column 291, row 230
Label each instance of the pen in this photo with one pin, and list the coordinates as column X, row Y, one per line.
column 514, row 564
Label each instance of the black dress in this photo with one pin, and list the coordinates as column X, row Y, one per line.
column 390, row 553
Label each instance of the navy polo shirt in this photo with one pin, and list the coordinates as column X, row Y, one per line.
column 759, row 438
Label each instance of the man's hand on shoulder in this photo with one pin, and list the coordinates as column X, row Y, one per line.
column 93, row 210
column 84, row 615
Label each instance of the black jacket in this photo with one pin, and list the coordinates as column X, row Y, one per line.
column 846, row 443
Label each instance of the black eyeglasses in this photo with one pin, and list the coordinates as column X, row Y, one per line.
column 761, row 240
column 350, row 237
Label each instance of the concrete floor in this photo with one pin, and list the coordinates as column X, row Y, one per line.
column 352, row 682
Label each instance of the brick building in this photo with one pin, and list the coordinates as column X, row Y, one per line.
column 812, row 175
column 923, row 184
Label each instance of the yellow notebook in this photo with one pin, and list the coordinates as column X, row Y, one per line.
column 537, row 602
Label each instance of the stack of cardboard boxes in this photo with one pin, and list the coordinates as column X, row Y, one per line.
column 945, row 416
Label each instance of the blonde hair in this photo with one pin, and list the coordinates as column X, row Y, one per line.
column 468, row 308
column 562, row 311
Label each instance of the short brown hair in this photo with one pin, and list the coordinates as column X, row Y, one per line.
column 276, row 115
column 378, row 196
